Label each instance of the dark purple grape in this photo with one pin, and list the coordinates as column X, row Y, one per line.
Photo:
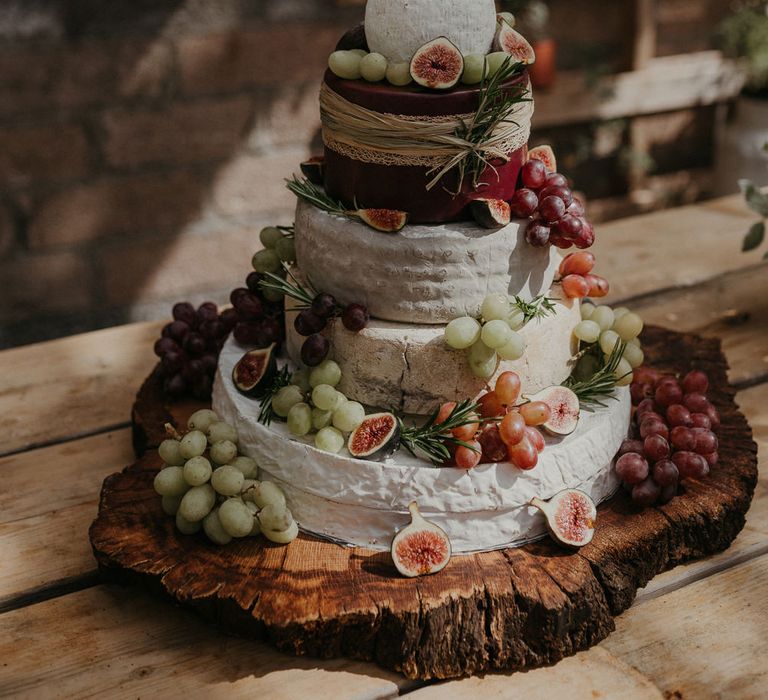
column 653, row 426
column 577, row 208
column 655, row 448
column 646, row 493
column 644, row 407
column 586, row 239
column 714, row 416
column 184, row 311
column 665, row 473
column 555, row 180
column 682, row 438
column 638, row 392
column 172, row 362
column 195, row 344
column 253, row 282
column 696, row 403
column 192, row 370
column 537, row 234
column 551, row 209
column 667, row 494
column 308, row 323
column 632, row 468
column 668, row 393
column 630, row 446
column 210, row 363
column 164, row 345
column 228, row 319
column 701, row 420
column 695, row 382
column 207, row 311
column 166, row 332
column 569, row 227
column 314, row 350
column 524, row 203
column 355, row 317
column 558, row 191
column 324, row 306
column 534, row 174
column 677, row 414
column 212, row 330
column 201, row 388
column 248, row 334
column 249, row 306
column 690, row 465
column 711, row 458
column 272, row 331
column 706, row 441
column 178, row 331
column 175, row 386
column 235, row 294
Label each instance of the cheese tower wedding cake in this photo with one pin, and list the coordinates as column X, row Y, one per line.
column 439, row 362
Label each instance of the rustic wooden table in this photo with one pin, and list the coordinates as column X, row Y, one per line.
column 697, row 631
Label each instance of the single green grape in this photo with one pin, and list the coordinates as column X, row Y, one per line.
column 275, row 517
column 399, row 74
column 329, row 439
column 221, row 431
column 300, row 419
column 327, row 372
column 587, row 331
column 227, row 480
column 587, row 310
column 202, row 420
column 345, row 64
column 300, row 378
column 321, row 419
column 197, row 471
column 373, row 67
column 254, row 511
column 462, row 332
column 223, row 451
column 270, row 236
column 604, row 317
column 235, row 518
column 608, row 342
column 495, row 61
column 482, row 360
column 325, row 397
column 633, row 355
column 516, row 319
column 495, row 308
column 474, row 69
column 496, row 334
column 170, row 482
column 193, row 444
column 215, row 530
column 348, row 416
column 623, row 373
column 286, row 250
column 170, row 453
column 197, row 502
column 620, row 311
column 266, row 261
column 629, row 326
column 247, row 465
column 284, row 537
column 246, row 491
column 285, row 398
column 187, row 527
column 266, row 492
column 514, row 349
column 273, row 295
column 170, row 504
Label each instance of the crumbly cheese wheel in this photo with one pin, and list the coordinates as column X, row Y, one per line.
column 423, row 274
column 410, row 367
column 362, row 503
column 396, row 28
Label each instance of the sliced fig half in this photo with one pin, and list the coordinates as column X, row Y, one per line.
column 421, row 547
column 564, row 409
column 313, row 169
column 376, row 438
column 511, row 41
column 255, row 370
column 571, row 516
column 491, row 213
column 385, row 220
column 353, row 39
column 438, row 64
column 546, row 155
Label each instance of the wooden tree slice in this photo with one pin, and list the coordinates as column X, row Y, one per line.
column 512, row 609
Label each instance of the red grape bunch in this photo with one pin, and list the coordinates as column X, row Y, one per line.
column 577, row 278
column 310, row 323
column 189, row 348
column 557, row 217
column 675, row 427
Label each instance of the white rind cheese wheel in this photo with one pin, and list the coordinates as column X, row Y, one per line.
column 410, row 367
column 362, row 503
column 423, row 274
column 396, row 28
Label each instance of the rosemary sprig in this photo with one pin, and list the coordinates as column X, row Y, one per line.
column 601, row 383
column 292, row 289
column 309, row 192
column 266, row 414
column 540, row 307
column 432, row 439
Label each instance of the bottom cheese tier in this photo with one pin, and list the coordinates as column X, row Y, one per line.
column 355, row 502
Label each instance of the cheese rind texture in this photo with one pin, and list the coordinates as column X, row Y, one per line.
column 410, row 367
column 396, row 28
column 423, row 274
column 362, row 503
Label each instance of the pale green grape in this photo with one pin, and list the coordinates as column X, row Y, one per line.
column 300, row 378
column 635, row 341
column 327, row 372
column 474, row 68
column 215, row 530
column 629, row 326
column 495, row 307
column 514, row 349
column 633, row 355
column 187, row 527
column 270, row 235
column 193, row 444
column 197, row 502
column 620, row 311
column 247, row 465
column 321, row 419
column 254, row 511
column 373, row 67
column 300, row 419
column 266, row 261
column 235, row 518
column 345, row 64
column 223, row 451
column 587, row 310
column 496, row 334
column 603, row 316
column 360, row 52
column 623, row 373
column 285, row 398
column 275, row 517
column 516, row 319
column 399, row 74
column 495, row 61
column 608, row 341
column 348, row 416
column 221, row 431
column 284, row 537
column 482, row 360
column 171, row 504
column 170, row 453
column 197, row 471
column 246, row 492
column 329, row 439
column 227, row 480
column 266, row 492
column 462, row 332
column 202, row 419
column 325, row 397
column 170, row 482
column 587, row 331
column 286, row 250
column 272, row 294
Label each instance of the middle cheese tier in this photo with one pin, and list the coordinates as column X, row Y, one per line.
column 409, row 367
column 423, row 274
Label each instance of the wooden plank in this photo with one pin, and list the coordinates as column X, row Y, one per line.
column 589, row 674
column 120, row 643
column 73, row 386
column 706, row 640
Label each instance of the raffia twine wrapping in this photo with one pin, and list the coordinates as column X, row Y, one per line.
column 396, row 139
